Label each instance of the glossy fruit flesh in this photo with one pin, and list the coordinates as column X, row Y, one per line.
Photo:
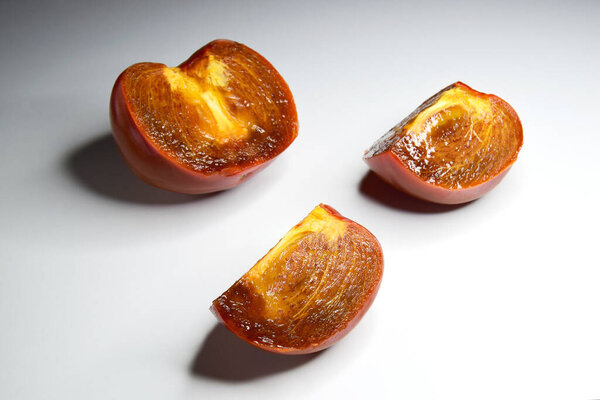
column 223, row 111
column 458, row 139
column 309, row 290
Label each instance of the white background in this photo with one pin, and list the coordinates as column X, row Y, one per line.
column 105, row 282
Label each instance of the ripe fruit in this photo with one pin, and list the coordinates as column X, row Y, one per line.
column 453, row 149
column 205, row 125
column 309, row 290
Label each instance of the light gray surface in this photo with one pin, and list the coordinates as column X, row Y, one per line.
column 105, row 282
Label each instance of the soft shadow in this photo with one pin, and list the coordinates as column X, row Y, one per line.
column 376, row 189
column 100, row 168
column 224, row 356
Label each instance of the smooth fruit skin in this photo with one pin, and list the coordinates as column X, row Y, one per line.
column 225, row 318
column 155, row 166
column 391, row 169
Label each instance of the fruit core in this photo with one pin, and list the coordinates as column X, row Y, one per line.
column 207, row 89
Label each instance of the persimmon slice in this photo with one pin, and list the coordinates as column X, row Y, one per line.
column 206, row 124
column 453, row 148
column 309, row 290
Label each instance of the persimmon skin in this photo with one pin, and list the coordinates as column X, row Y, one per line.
column 221, row 307
column 158, row 168
column 389, row 166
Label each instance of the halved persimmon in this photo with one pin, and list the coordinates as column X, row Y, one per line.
column 453, row 148
column 309, row 290
column 205, row 125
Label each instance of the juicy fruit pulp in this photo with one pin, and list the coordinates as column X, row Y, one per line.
column 224, row 111
column 309, row 290
column 458, row 139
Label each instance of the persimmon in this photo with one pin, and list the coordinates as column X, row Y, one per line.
column 453, row 148
column 309, row 290
column 206, row 125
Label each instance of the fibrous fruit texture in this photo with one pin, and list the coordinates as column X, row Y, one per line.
column 309, row 290
column 453, row 148
column 205, row 125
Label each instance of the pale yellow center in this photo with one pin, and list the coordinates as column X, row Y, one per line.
column 319, row 221
column 478, row 108
column 207, row 91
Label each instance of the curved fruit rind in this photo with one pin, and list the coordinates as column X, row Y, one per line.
column 309, row 290
column 206, row 125
column 453, row 148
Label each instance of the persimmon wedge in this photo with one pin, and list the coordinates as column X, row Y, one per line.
column 309, row 290
column 206, row 125
column 453, row 148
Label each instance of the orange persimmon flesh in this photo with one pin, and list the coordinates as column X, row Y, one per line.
column 225, row 107
column 457, row 139
column 309, row 290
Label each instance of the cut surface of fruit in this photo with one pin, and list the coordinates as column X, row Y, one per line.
column 224, row 111
column 457, row 140
column 309, row 290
